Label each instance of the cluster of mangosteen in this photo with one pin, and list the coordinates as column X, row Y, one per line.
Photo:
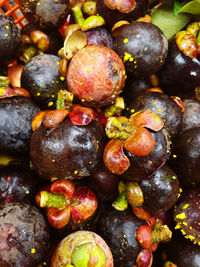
column 100, row 135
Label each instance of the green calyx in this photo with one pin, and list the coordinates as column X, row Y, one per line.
column 4, row 81
column 64, row 100
column 89, row 254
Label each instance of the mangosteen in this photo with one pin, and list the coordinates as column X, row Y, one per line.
column 42, row 78
column 163, row 105
column 24, row 235
column 10, row 40
column 17, row 113
column 185, row 157
column 48, row 14
column 160, row 191
column 142, row 46
column 113, row 14
column 99, row 36
column 67, row 150
column 17, row 184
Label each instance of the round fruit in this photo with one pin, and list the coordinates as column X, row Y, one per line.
column 10, row 39
column 42, row 78
column 142, row 46
column 99, row 77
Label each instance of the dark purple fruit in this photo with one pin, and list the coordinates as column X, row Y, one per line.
column 160, row 191
column 143, row 167
column 142, row 46
column 191, row 115
column 185, row 160
column 67, row 151
column 180, row 73
column 10, row 39
column 181, row 252
column 113, row 16
column 42, row 78
column 161, row 104
column 17, row 184
column 17, row 113
column 118, row 229
column 187, row 215
column 99, row 36
column 48, row 14
column 24, row 236
column 105, row 183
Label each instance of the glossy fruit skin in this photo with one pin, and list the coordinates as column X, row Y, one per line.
column 77, row 149
column 17, row 113
column 180, row 73
column 100, row 76
column 24, row 235
column 10, row 39
column 105, row 183
column 49, row 15
column 143, row 48
column 164, row 106
column 17, row 184
column 182, row 252
column 143, row 167
column 186, row 160
column 118, row 229
column 160, row 191
column 42, row 78
column 99, row 36
column 113, row 16
column 191, row 115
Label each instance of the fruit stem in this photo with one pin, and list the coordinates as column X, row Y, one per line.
column 121, row 203
column 64, row 100
column 117, row 129
column 161, row 234
column 116, row 108
column 78, row 15
column 169, row 264
column 28, row 53
column 4, row 81
column 58, row 201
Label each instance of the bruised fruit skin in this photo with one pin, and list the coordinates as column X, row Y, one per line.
column 160, row 191
column 82, row 248
column 142, row 47
column 24, row 235
column 111, row 16
column 46, row 14
column 42, row 78
column 67, row 151
column 186, row 215
column 10, row 39
column 17, row 184
column 15, row 125
column 99, row 78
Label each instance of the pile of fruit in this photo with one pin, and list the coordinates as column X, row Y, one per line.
column 100, row 134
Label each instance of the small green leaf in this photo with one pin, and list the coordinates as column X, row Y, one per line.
column 192, row 7
column 177, row 7
column 163, row 17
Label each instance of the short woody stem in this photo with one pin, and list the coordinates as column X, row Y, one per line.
column 64, row 100
column 117, row 129
column 121, row 203
column 4, row 81
column 161, row 234
column 78, row 15
column 116, row 108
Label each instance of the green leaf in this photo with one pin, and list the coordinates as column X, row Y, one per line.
column 177, row 7
column 192, row 7
column 163, row 17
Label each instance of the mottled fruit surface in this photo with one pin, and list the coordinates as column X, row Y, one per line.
column 99, row 77
column 24, row 235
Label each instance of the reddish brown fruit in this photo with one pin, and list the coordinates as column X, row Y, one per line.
column 123, row 6
column 99, row 78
